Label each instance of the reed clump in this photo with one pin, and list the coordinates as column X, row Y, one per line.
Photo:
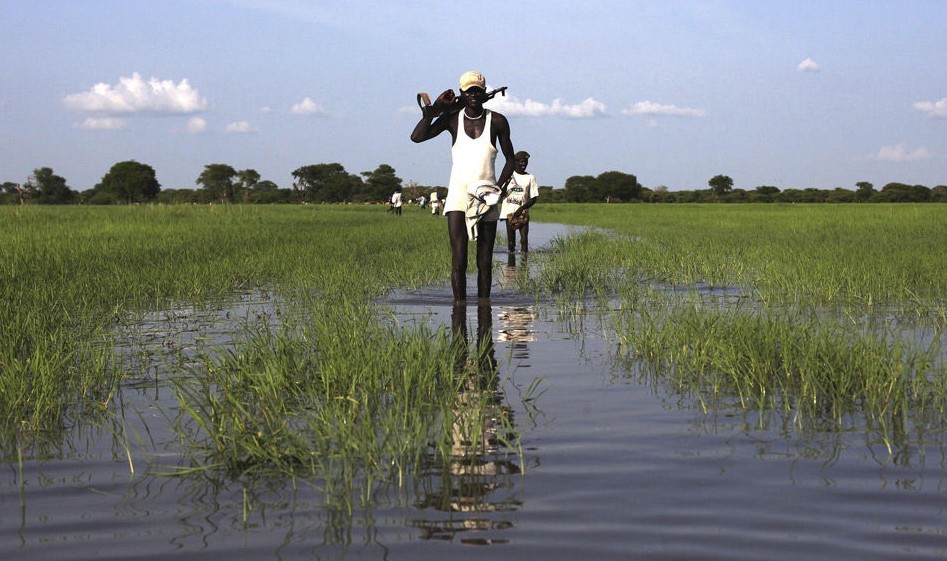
column 70, row 275
column 335, row 396
column 784, row 362
column 816, row 313
column 819, row 254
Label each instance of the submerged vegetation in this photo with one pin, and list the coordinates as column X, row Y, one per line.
column 812, row 314
column 821, row 317
column 69, row 276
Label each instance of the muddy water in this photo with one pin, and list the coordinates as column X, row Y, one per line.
column 614, row 466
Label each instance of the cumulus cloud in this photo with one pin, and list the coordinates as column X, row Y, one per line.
column 103, row 123
column 933, row 108
column 196, row 125
column 808, row 65
column 513, row 107
column 657, row 109
column 308, row 107
column 266, row 109
column 135, row 95
column 239, row 127
column 899, row 153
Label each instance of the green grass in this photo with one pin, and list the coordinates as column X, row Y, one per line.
column 865, row 254
column 69, row 275
column 813, row 313
column 810, row 316
column 337, row 393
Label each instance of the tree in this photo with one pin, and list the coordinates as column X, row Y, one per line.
column 326, row 183
column 246, row 179
column 902, row 193
column 864, row 192
column 381, row 183
column 127, row 182
column 50, row 188
column 660, row 194
column 217, row 179
column 720, row 184
column 840, row 195
column 267, row 192
column 617, row 185
column 580, row 189
column 764, row 193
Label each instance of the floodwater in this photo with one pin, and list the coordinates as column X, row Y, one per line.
column 614, row 466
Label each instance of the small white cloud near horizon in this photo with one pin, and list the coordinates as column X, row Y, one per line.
column 103, row 124
column 657, row 109
column 512, row 107
column 239, row 127
column 266, row 109
column 308, row 107
column 196, row 125
column 808, row 65
column 135, row 95
column 899, row 153
column 933, row 108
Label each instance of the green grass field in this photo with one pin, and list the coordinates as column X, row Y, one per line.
column 813, row 316
column 805, row 310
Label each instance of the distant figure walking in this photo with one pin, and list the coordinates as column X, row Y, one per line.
column 475, row 134
column 396, row 201
column 435, row 204
column 521, row 194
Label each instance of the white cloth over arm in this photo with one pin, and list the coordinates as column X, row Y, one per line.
column 482, row 200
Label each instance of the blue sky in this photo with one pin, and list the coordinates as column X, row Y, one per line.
column 793, row 94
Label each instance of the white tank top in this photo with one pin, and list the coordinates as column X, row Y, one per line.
column 473, row 160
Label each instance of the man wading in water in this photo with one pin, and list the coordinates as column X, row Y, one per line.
column 521, row 195
column 473, row 152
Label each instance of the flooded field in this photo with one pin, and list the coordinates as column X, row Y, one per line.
column 610, row 460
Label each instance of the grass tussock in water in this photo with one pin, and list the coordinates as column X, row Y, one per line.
column 783, row 362
column 69, row 275
column 818, row 254
column 813, row 312
column 308, row 398
column 335, row 391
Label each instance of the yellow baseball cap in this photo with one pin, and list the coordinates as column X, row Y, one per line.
column 472, row 79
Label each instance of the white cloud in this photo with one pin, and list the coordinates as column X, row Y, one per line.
column 308, row 107
column 134, row 95
column 103, row 124
column 196, row 125
column 652, row 108
column 933, row 108
column 513, row 107
column 808, row 65
column 266, row 109
column 899, row 153
column 239, row 127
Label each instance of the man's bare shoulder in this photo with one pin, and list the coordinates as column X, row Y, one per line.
column 500, row 123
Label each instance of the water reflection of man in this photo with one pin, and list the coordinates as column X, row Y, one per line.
column 516, row 321
column 477, row 477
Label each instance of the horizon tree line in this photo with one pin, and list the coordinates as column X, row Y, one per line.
column 132, row 182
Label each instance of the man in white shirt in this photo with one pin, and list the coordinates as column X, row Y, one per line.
column 521, row 193
column 396, row 201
